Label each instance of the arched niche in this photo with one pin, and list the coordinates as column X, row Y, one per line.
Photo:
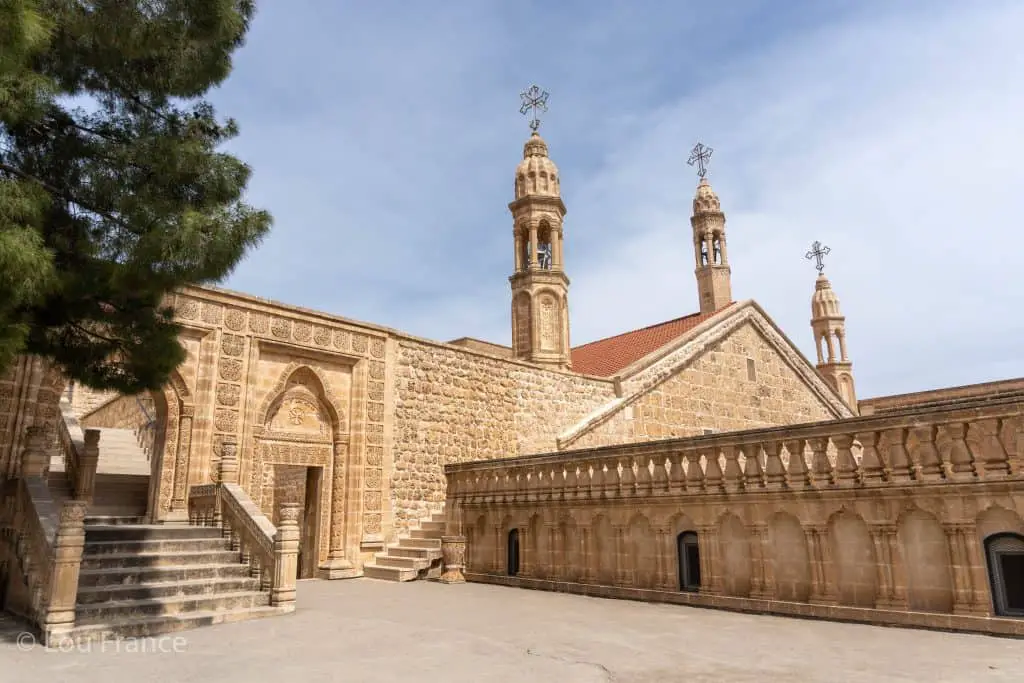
column 174, row 413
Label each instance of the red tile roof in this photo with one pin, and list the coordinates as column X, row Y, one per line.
column 605, row 357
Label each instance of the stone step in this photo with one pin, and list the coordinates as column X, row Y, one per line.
column 423, row 553
column 113, row 520
column 124, row 576
column 385, row 560
column 425, row 534
column 114, row 612
column 138, row 560
column 97, row 594
column 148, row 532
column 424, row 543
column 152, row 626
column 153, row 546
column 373, row 571
column 431, row 525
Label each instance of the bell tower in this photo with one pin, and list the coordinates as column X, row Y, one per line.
column 829, row 327
column 714, row 287
column 540, row 287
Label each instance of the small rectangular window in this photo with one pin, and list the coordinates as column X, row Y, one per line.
column 751, row 370
column 708, row 431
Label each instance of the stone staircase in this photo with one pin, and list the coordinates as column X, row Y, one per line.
column 417, row 555
column 122, row 477
column 141, row 580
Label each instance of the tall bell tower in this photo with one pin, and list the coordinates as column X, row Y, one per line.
column 829, row 327
column 714, row 277
column 540, row 287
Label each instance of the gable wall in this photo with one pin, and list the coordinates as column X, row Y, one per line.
column 713, row 392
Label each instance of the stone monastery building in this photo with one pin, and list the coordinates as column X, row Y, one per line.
column 323, row 437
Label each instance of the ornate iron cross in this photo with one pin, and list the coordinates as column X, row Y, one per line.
column 700, row 155
column 818, row 252
column 534, row 99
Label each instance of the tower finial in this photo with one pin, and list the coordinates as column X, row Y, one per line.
column 534, row 99
column 700, row 155
column 818, row 252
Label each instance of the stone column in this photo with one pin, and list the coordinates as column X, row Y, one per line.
column 708, row 566
column 286, row 557
column 533, row 245
column 338, row 566
column 757, row 563
column 453, row 554
column 59, row 611
column 883, row 568
column 981, row 600
column 85, row 479
column 33, row 458
column 963, row 595
column 899, row 581
column 179, row 497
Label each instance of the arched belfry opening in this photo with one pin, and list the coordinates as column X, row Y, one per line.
column 1005, row 555
column 688, row 556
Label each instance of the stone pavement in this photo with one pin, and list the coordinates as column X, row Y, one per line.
column 366, row 631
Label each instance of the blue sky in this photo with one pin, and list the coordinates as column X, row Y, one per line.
column 383, row 137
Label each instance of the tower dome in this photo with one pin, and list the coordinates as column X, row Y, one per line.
column 705, row 200
column 824, row 302
column 536, row 174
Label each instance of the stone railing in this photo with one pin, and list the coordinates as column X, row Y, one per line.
column 81, row 453
column 46, row 546
column 145, row 430
column 860, row 518
column 272, row 553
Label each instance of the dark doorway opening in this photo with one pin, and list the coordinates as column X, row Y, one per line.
column 512, row 561
column 689, row 561
column 1006, row 573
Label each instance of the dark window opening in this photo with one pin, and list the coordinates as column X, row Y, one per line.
column 512, row 560
column 1006, row 573
column 689, row 561
column 751, row 370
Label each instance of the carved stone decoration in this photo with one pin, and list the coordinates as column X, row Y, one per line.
column 548, row 323
column 302, row 332
column 314, row 382
column 232, row 345
column 376, row 370
column 375, row 411
column 373, row 477
column 228, row 394
column 258, row 323
column 522, row 323
column 230, row 370
column 374, row 456
column 453, row 554
column 299, row 411
column 371, row 501
column 371, row 523
column 234, row 319
column 375, row 391
column 377, row 348
column 225, row 420
column 342, row 339
column 374, row 434
column 281, row 328
column 187, row 308
column 359, row 343
column 322, row 336
column 212, row 313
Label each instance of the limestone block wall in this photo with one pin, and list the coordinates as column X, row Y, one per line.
column 124, row 412
column 742, row 382
column 914, row 522
column 84, row 400
column 453, row 405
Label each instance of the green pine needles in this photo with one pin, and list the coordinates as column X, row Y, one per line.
column 112, row 191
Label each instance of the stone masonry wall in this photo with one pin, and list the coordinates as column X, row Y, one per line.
column 453, row 407
column 124, row 413
column 716, row 392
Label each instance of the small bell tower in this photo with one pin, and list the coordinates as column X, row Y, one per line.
column 540, row 287
column 714, row 285
column 829, row 327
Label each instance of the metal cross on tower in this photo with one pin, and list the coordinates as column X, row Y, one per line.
column 818, row 252
column 536, row 99
column 700, row 155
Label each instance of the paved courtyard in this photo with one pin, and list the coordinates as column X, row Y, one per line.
column 365, row 631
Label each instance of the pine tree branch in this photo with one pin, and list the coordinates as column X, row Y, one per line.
column 97, row 335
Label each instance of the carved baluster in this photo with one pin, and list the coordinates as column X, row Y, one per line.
column 898, row 457
column 871, row 465
column 611, row 479
column 644, row 482
column 753, row 475
column 676, row 473
column 962, row 461
column 572, row 482
column 821, row 466
column 797, row 472
column 660, row 484
column 983, row 439
column 846, row 465
column 732, row 475
column 712, row 470
column 1011, row 436
column 927, row 462
column 627, row 479
column 774, row 472
column 596, row 479
column 532, row 485
column 694, row 470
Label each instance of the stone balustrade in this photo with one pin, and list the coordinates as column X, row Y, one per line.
column 271, row 552
column 892, row 518
column 80, row 451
